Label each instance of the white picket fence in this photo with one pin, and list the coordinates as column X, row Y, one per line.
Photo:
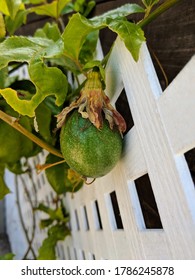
column 112, row 218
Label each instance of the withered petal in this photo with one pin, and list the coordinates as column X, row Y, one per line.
column 91, row 103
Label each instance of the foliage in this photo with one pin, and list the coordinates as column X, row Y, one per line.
column 30, row 105
column 49, row 55
column 3, row 187
column 57, row 230
column 6, row 257
column 61, row 177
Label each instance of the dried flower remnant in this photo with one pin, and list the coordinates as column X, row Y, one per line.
column 92, row 103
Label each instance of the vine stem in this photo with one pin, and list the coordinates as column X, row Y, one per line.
column 161, row 9
column 23, row 223
column 14, row 123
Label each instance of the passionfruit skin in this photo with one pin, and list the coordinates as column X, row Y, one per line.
column 89, row 151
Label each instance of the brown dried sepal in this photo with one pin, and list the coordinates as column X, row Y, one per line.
column 91, row 103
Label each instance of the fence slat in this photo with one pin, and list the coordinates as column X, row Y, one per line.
column 163, row 171
column 177, row 108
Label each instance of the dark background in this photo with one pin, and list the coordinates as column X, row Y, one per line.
column 171, row 37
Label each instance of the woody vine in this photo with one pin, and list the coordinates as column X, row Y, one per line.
column 28, row 108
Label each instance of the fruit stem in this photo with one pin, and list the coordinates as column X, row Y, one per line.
column 89, row 183
column 161, row 9
column 14, row 123
column 43, row 167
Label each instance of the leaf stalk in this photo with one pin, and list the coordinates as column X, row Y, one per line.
column 161, row 9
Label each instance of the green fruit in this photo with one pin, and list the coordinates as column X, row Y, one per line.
column 89, row 151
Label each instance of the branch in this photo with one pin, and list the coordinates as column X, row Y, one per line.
column 22, row 221
column 161, row 9
column 30, row 241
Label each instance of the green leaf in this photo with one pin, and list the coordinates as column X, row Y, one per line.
column 58, row 176
column 16, row 167
column 130, row 33
column 47, row 210
column 2, row 27
column 3, row 187
column 83, row 7
column 43, row 119
column 49, row 31
column 54, row 214
column 113, row 19
column 61, row 4
column 45, row 223
column 117, row 13
column 4, row 8
column 11, row 7
column 89, row 8
column 79, row 6
column 47, row 249
column 50, row 103
column 16, row 142
column 8, row 256
column 46, row 10
column 55, row 50
column 59, row 231
column 72, row 42
column 13, row 24
column 47, row 80
column 55, row 234
column 89, row 47
column 3, row 77
column 16, row 49
column 21, row 49
column 53, row 9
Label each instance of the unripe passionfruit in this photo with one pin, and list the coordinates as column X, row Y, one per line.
column 91, row 131
column 89, row 151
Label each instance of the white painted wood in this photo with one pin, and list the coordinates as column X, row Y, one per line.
column 177, row 108
column 161, row 163
column 163, row 131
